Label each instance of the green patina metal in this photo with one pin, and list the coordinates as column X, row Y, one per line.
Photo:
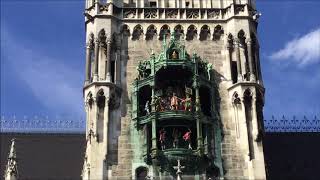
column 148, row 115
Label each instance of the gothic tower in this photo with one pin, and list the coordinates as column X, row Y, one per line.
column 173, row 88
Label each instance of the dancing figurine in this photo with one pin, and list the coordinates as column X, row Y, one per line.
column 187, row 137
column 162, row 138
column 174, row 102
column 187, row 103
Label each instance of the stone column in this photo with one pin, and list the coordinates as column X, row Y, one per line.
column 108, row 54
column 154, row 134
column 106, row 124
column 229, row 62
column 258, row 68
column 254, row 118
column 88, row 63
column 96, row 59
column 250, row 57
column 198, row 123
column 238, row 60
column 118, row 67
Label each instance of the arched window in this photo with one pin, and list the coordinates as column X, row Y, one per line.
column 125, row 30
column 178, row 31
column 137, row 32
column 191, row 32
column 164, row 31
column 217, row 33
column 101, row 100
column 141, row 173
column 151, row 32
column 247, row 97
column 204, row 33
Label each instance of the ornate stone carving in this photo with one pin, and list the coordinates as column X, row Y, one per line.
column 193, row 14
column 230, row 41
column 88, row 16
column 102, row 37
column 238, row 9
column 213, row 14
column 114, row 99
column 172, row 13
column 90, row 43
column 129, row 13
column 236, row 99
column 150, row 13
column 104, row 7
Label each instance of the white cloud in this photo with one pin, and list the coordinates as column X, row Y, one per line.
column 303, row 51
column 54, row 84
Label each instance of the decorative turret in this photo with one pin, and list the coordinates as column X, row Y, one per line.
column 11, row 172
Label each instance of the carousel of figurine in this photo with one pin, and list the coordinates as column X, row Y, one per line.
column 162, row 138
column 187, row 138
column 175, row 134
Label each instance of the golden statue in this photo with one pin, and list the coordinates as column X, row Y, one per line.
column 174, row 55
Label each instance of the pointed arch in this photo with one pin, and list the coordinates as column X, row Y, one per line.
column 137, row 32
column 217, row 32
column 204, row 32
column 164, row 31
column 125, row 30
column 247, row 98
column 89, row 100
column 179, row 31
column 102, row 36
column 151, row 32
column 191, row 32
column 236, row 99
column 242, row 36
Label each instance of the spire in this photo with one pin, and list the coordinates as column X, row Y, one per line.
column 11, row 172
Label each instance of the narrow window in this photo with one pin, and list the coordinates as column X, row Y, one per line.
column 153, row 4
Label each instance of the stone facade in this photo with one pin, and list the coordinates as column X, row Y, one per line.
column 121, row 33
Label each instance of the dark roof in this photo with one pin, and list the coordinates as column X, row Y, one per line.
column 292, row 156
column 45, row 156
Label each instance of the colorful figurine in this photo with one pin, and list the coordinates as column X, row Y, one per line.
column 187, row 103
column 187, row 137
column 174, row 102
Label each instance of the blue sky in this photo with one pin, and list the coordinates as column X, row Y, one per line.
column 42, row 57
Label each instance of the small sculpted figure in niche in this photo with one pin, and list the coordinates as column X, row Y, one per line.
column 187, row 138
column 174, row 102
column 176, row 134
column 162, row 138
column 174, row 55
column 147, row 108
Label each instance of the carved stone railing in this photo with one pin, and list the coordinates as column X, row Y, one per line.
column 60, row 124
column 42, row 124
column 292, row 124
